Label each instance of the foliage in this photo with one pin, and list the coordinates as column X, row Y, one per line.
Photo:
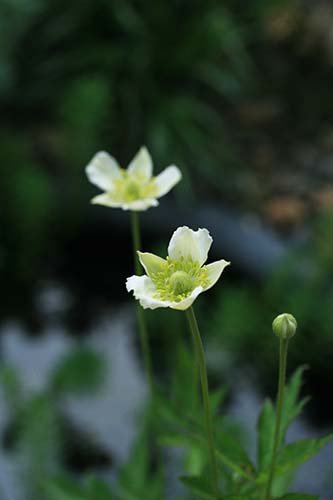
column 241, row 478
column 300, row 283
column 37, row 430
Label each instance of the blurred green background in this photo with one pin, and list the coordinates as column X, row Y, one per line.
column 239, row 96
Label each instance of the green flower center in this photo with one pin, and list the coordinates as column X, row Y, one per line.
column 127, row 188
column 132, row 189
column 178, row 278
column 181, row 282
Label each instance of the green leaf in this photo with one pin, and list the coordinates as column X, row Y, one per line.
column 237, row 497
column 299, row 452
column 216, row 399
column 291, row 406
column 265, row 430
column 199, row 485
column 97, row 490
column 231, row 453
column 80, row 371
column 136, row 480
column 63, row 489
column 298, row 496
column 266, row 422
column 295, row 454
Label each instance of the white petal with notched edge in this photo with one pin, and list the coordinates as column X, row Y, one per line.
column 151, row 263
column 141, row 166
column 102, row 169
column 167, row 179
column 214, row 271
column 188, row 243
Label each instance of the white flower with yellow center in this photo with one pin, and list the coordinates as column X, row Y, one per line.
column 133, row 188
column 177, row 280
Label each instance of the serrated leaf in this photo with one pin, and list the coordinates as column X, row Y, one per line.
column 266, row 422
column 291, row 406
column 294, row 455
column 265, row 429
column 199, row 485
column 231, row 453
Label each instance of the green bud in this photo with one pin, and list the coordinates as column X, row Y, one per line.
column 284, row 326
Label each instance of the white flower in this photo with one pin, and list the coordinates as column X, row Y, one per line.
column 177, row 280
column 133, row 188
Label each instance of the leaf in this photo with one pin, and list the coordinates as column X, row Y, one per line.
column 63, row 489
column 216, row 399
column 291, row 406
column 80, row 371
column 97, row 490
column 237, row 497
column 299, row 452
column 231, row 453
column 266, row 422
column 295, row 454
column 199, row 485
column 298, row 496
column 265, row 429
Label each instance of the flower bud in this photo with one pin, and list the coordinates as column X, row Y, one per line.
column 284, row 326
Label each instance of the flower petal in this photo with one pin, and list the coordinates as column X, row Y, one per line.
column 144, row 290
column 141, row 166
column 167, row 179
column 139, row 205
column 214, row 272
column 186, row 303
column 102, row 169
column 106, row 200
column 150, row 262
column 188, row 243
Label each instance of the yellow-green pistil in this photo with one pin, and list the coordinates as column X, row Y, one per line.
column 178, row 278
column 130, row 187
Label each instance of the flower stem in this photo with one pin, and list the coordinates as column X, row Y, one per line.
column 140, row 313
column 200, row 356
column 282, row 379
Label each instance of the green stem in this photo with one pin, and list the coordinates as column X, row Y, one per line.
column 200, row 356
column 282, row 379
column 140, row 312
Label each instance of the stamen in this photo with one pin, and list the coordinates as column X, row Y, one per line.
column 178, row 278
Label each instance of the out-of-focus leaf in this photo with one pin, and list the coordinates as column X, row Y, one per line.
column 291, row 406
column 95, row 489
column 231, row 453
column 200, row 485
column 80, row 371
column 11, row 386
column 295, row 454
column 63, row 489
column 265, row 435
column 137, row 480
column 298, row 496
